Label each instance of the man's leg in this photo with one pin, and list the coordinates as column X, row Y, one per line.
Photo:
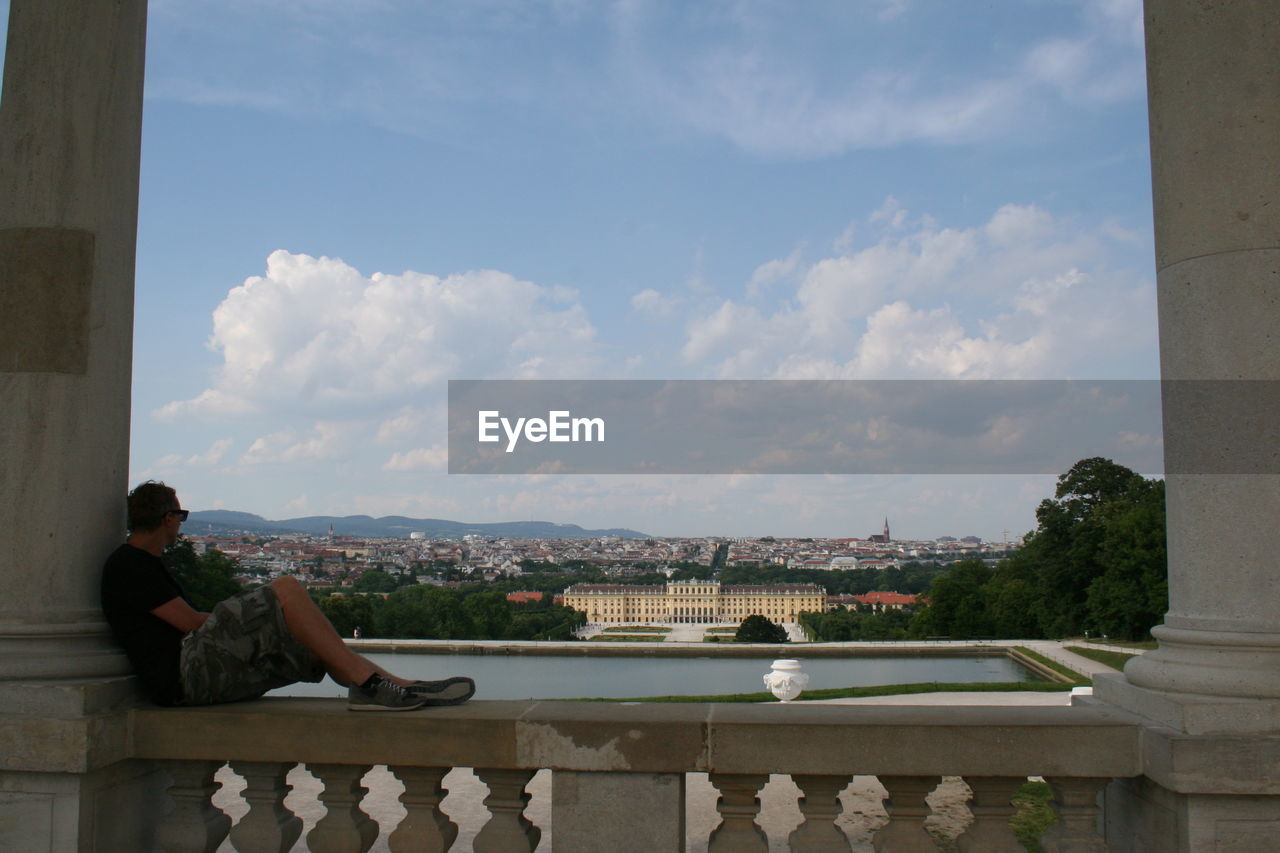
column 310, row 627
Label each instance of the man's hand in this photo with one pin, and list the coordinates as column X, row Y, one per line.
column 180, row 615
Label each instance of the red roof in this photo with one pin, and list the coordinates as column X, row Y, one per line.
column 886, row 598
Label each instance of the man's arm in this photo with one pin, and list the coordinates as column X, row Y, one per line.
column 180, row 615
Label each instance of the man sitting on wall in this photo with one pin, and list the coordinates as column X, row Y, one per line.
column 250, row 643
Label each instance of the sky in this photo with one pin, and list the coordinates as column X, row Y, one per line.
column 346, row 203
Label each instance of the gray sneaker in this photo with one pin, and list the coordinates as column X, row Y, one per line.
column 449, row 691
column 382, row 695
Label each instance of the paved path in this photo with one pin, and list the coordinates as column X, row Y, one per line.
column 687, row 633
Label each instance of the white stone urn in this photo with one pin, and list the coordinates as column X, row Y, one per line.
column 785, row 680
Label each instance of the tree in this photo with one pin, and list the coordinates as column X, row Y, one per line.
column 1064, row 553
column 206, row 578
column 1132, row 593
column 957, row 603
column 375, row 580
column 490, row 614
column 349, row 612
column 425, row 613
column 757, row 629
column 1096, row 561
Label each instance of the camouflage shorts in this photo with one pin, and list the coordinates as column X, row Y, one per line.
column 243, row 650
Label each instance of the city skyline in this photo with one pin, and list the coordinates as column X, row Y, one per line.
column 346, row 204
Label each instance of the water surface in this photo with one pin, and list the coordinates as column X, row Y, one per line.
column 580, row 676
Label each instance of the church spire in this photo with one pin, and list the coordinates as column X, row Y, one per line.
column 886, row 529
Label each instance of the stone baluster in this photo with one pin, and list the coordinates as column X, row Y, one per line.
column 1075, row 801
column 992, row 807
column 195, row 825
column 905, row 832
column 738, row 806
column 820, row 806
column 425, row 829
column 507, row 830
column 344, row 827
column 604, row 812
column 269, row 827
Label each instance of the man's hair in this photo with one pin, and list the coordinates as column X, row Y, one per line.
column 148, row 504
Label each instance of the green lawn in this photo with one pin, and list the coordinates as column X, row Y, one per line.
column 1078, row 679
column 637, row 629
column 853, row 692
column 1144, row 645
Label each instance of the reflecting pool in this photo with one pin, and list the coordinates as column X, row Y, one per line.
column 500, row 676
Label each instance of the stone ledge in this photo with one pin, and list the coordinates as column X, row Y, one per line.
column 655, row 738
column 63, row 744
column 1212, row 764
column 65, row 698
column 1186, row 712
column 926, row 740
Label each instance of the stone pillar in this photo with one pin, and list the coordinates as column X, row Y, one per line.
column 1212, row 689
column 1214, row 81
column 70, row 137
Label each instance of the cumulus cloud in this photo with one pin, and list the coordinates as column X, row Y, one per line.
column 419, row 459
column 772, row 272
column 654, row 304
column 1022, row 295
column 406, row 422
column 316, row 335
column 326, row 440
column 210, row 457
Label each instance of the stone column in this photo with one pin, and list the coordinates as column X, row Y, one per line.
column 1212, row 689
column 1214, row 81
column 70, row 137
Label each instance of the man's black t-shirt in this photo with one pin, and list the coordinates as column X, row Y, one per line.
column 134, row 583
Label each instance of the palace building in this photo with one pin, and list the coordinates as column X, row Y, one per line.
column 694, row 601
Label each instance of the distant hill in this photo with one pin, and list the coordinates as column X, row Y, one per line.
column 213, row 522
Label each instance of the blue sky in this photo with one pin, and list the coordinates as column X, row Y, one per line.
column 347, row 202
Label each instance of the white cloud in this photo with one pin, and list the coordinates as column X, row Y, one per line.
column 299, row 506
column 406, row 423
column 891, row 212
column 419, row 459
column 210, row 457
column 326, row 440
column 735, row 71
column 890, row 9
column 315, row 335
column 654, row 304
column 1022, row 295
column 1118, row 19
column 772, row 272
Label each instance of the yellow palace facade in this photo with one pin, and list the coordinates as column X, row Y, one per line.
column 693, row 601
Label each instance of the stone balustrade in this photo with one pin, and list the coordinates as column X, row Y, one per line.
column 619, row 770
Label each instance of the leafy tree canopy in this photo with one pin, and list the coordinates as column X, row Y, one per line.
column 206, row 578
column 1096, row 562
column 758, row 629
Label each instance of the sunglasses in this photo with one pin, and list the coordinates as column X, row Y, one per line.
column 180, row 513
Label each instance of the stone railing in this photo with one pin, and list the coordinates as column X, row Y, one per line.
column 618, row 771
